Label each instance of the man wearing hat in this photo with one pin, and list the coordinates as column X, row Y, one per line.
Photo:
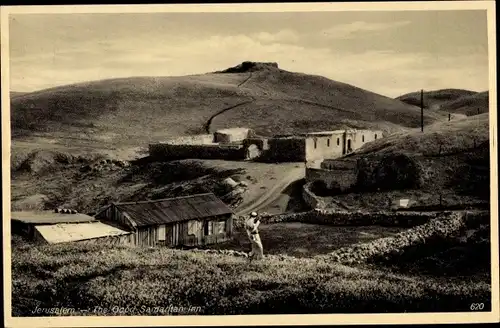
column 251, row 226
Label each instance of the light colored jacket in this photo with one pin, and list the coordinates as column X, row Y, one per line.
column 251, row 227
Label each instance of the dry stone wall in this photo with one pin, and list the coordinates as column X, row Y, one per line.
column 286, row 149
column 390, row 172
column 220, row 251
column 343, row 218
column 446, row 225
column 338, row 179
column 311, row 199
column 171, row 152
column 197, row 139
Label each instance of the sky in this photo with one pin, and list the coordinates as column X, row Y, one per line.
column 387, row 52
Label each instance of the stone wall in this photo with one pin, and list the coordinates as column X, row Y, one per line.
column 341, row 218
column 261, row 143
column 212, row 151
column 324, row 146
column 197, row 139
column 286, row 149
column 311, row 199
column 360, row 137
column 334, row 179
column 232, row 135
column 445, row 225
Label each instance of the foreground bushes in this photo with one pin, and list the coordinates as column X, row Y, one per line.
column 84, row 276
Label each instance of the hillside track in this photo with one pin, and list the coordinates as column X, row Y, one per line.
column 246, row 80
column 222, row 111
column 271, row 195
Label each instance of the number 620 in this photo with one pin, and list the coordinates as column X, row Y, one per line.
column 477, row 306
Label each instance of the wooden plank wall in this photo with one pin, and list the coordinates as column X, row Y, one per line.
column 111, row 215
column 176, row 234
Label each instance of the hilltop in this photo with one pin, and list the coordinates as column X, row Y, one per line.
column 435, row 98
column 261, row 96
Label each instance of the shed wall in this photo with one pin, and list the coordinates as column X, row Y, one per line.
column 172, row 234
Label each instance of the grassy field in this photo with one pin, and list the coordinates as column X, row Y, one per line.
column 307, row 240
column 83, row 277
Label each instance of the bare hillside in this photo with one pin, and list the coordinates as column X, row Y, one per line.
column 435, row 98
column 469, row 105
column 14, row 94
column 140, row 109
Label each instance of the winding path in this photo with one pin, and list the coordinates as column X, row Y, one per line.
column 209, row 122
column 252, row 99
column 272, row 194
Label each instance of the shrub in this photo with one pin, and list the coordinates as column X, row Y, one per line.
column 390, row 172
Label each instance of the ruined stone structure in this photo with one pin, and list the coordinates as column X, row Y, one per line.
column 230, row 144
column 232, row 135
column 286, row 149
column 243, row 144
column 339, row 176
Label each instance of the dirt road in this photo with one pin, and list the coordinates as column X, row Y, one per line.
column 271, row 194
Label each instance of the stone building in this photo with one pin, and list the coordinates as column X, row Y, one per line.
column 232, row 135
column 315, row 146
column 334, row 144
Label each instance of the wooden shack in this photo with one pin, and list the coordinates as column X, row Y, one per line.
column 194, row 220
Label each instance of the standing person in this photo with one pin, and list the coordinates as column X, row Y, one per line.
column 251, row 226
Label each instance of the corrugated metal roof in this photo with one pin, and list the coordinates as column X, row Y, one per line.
column 174, row 209
column 48, row 217
column 67, row 232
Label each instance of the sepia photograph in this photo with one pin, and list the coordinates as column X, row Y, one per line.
column 199, row 162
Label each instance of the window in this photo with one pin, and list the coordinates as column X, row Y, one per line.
column 328, row 142
column 208, row 228
column 221, row 227
column 161, row 232
column 363, row 138
column 315, row 143
column 375, row 136
column 193, row 227
column 338, row 141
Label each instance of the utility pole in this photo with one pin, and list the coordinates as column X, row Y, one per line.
column 422, row 110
